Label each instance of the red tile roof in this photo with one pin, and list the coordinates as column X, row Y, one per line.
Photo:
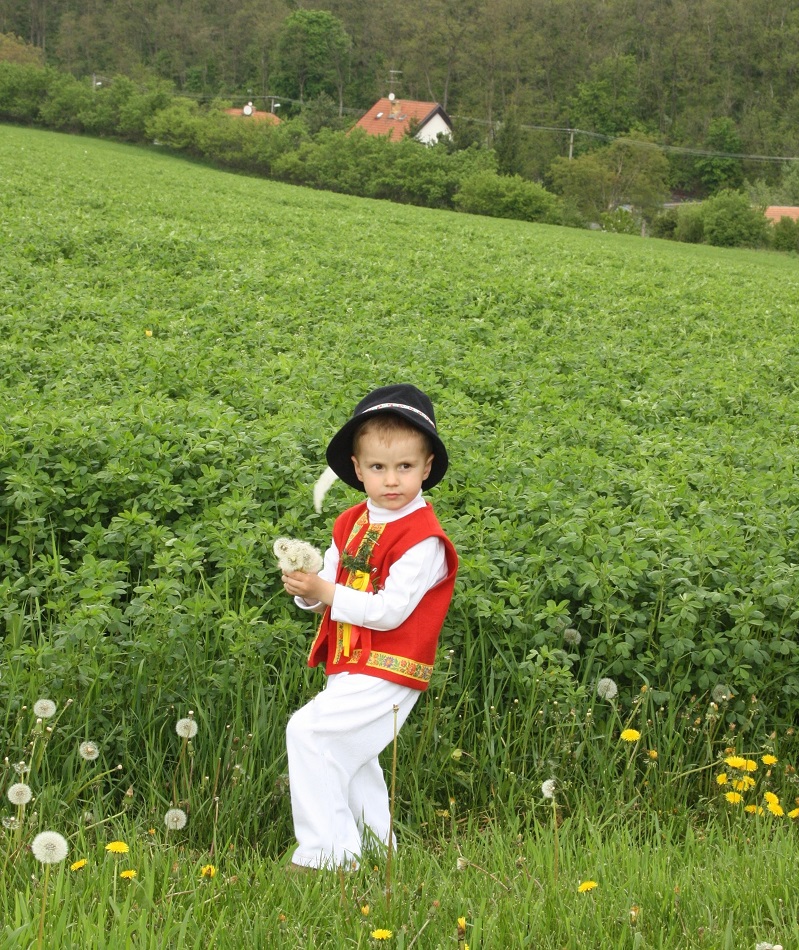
column 393, row 119
column 775, row 212
column 255, row 115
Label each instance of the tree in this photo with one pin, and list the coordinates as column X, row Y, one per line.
column 715, row 171
column 630, row 171
column 15, row 50
column 313, row 53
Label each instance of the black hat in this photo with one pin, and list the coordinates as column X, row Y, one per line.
column 400, row 400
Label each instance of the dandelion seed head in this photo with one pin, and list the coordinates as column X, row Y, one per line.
column 548, row 788
column 606, row 688
column 721, row 693
column 10, row 823
column 49, row 847
column 175, row 819
column 44, row 708
column 294, row 555
column 20, row 768
column 461, row 864
column 572, row 636
column 20, row 793
column 186, row 728
column 88, row 751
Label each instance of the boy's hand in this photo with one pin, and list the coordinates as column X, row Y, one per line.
column 310, row 587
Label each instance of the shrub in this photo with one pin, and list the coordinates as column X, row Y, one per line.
column 23, row 90
column 507, row 197
column 690, row 226
column 785, row 235
column 731, row 221
column 177, row 125
column 665, row 224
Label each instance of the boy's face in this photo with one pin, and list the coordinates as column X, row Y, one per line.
column 392, row 467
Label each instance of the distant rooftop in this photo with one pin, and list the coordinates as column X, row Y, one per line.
column 393, row 118
column 775, row 212
column 250, row 112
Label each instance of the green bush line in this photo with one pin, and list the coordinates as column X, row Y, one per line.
column 352, row 162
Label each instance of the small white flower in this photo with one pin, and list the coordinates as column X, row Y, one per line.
column 88, row 751
column 175, row 819
column 548, row 788
column 44, row 708
column 20, row 794
column 606, row 688
column 186, row 728
column 49, row 847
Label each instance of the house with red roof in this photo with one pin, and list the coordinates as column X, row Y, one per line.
column 775, row 212
column 255, row 115
column 392, row 118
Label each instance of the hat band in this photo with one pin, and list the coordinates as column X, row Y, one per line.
column 400, row 405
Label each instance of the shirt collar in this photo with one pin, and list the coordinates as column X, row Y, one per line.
column 384, row 515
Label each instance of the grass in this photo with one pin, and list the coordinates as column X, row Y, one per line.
column 176, row 346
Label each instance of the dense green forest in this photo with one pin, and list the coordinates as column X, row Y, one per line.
column 718, row 75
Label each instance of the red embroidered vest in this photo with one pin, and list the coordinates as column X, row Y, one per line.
column 405, row 654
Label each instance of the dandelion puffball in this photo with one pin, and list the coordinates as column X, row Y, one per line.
column 186, row 728
column 294, row 555
column 19, row 793
column 88, row 751
column 49, row 847
column 44, row 708
column 606, row 688
column 548, row 788
column 175, row 819
column 572, row 636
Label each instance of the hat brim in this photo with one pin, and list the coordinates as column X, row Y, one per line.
column 339, row 451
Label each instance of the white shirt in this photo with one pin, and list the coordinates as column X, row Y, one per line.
column 410, row 578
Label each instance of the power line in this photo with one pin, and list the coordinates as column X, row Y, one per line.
column 677, row 149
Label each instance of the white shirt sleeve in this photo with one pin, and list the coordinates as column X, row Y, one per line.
column 410, row 578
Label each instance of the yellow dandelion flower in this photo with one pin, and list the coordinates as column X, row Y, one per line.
column 117, row 847
column 77, row 865
column 461, row 927
column 794, row 813
column 743, row 783
column 127, row 875
column 630, row 735
column 381, row 934
column 735, row 762
column 721, row 778
column 750, row 765
column 769, row 759
column 207, row 870
column 365, row 910
column 151, row 831
column 733, row 797
column 586, row 886
column 771, row 798
column 653, row 753
column 148, row 332
column 752, row 809
column 776, row 809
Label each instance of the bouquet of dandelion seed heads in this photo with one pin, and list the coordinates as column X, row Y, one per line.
column 294, row 555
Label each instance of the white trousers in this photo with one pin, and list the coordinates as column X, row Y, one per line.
column 337, row 786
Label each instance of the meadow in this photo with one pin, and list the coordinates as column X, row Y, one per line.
column 177, row 345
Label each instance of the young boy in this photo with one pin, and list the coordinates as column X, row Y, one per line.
column 383, row 591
